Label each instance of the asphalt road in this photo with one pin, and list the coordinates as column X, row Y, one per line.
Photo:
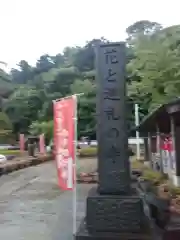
column 32, row 207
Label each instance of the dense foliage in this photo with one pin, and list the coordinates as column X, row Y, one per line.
column 153, row 72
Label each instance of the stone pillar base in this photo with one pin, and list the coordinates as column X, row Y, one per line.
column 114, row 217
column 114, row 213
column 83, row 234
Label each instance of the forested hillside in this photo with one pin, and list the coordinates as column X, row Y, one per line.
column 153, row 77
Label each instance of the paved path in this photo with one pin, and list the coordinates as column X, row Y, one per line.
column 33, row 208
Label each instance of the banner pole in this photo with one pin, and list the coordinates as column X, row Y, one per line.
column 75, row 96
column 59, row 99
column 75, row 168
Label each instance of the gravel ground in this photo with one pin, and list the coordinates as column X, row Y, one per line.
column 33, row 208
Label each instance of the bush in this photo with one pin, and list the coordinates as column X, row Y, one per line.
column 175, row 191
column 88, row 152
column 136, row 164
column 7, row 152
column 92, row 152
column 153, row 176
column 45, row 127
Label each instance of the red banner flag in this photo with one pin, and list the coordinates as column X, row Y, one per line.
column 21, row 142
column 64, row 141
column 168, row 153
column 41, row 144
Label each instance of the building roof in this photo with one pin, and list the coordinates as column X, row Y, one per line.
column 159, row 117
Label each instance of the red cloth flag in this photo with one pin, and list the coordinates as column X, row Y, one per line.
column 64, row 141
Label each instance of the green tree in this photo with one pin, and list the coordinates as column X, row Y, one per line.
column 86, row 107
column 22, row 107
column 142, row 28
column 156, row 66
column 37, row 128
column 152, row 78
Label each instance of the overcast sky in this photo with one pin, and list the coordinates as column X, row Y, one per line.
column 30, row 28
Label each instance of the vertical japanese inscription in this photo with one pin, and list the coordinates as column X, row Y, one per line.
column 111, row 131
column 113, row 94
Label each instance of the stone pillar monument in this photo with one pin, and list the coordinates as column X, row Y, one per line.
column 113, row 164
column 114, row 210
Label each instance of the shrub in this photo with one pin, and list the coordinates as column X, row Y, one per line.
column 136, row 164
column 45, row 127
column 91, row 152
column 7, row 152
column 153, row 176
column 88, row 152
column 175, row 191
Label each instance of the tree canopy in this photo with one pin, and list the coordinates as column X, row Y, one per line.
column 153, row 71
